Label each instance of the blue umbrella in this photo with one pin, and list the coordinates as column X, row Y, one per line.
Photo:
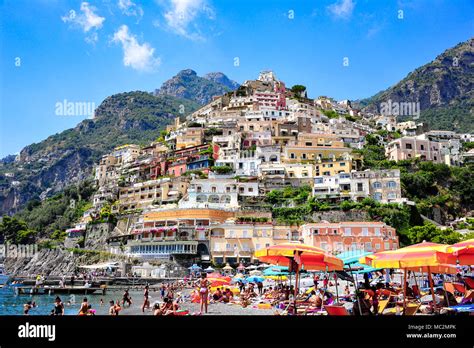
column 255, row 279
column 195, row 267
column 276, row 271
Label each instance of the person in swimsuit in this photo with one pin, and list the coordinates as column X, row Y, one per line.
column 112, row 308
column 26, row 308
column 58, row 307
column 146, row 301
column 84, row 307
column 126, row 298
column 204, row 291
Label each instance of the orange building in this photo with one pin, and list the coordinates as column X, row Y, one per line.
column 343, row 236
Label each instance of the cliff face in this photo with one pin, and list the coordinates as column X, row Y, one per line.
column 188, row 85
column 47, row 167
column 444, row 88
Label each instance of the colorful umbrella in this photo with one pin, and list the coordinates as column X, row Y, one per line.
column 424, row 255
column 255, row 279
column 463, row 252
column 309, row 257
column 218, row 281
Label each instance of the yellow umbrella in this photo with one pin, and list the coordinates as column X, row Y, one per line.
column 274, row 277
column 428, row 256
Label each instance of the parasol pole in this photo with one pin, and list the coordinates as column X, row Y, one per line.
column 430, row 280
column 337, row 291
column 404, row 291
column 356, row 289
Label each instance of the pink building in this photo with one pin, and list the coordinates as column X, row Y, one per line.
column 350, row 235
column 412, row 147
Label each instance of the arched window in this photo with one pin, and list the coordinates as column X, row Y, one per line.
column 225, row 199
column 201, row 198
column 377, row 185
column 213, row 199
column 391, row 184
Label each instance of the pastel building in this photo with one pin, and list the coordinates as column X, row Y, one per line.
column 343, row 236
column 412, row 147
column 233, row 242
column 381, row 185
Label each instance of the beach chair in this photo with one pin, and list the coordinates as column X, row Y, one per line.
column 468, row 296
column 459, row 288
column 411, row 309
column 469, row 282
column 382, row 305
column 449, row 287
column 336, row 310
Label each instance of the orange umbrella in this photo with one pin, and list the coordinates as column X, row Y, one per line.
column 215, row 275
column 463, row 252
column 218, row 281
column 426, row 255
column 309, row 257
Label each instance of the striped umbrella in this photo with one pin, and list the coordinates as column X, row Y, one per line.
column 307, row 256
column 424, row 254
column 463, row 252
column 427, row 255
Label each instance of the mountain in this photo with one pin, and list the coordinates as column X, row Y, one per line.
column 220, row 78
column 68, row 157
column 188, row 85
column 444, row 88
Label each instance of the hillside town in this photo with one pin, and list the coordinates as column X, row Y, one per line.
column 200, row 192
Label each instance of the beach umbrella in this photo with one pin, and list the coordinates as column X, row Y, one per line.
column 299, row 255
column 426, row 255
column 227, row 268
column 255, row 273
column 209, row 269
column 254, row 279
column 241, row 267
column 251, row 267
column 463, row 252
column 312, row 258
column 195, row 267
column 276, row 271
column 277, row 277
column 262, row 265
column 216, row 275
column 218, row 281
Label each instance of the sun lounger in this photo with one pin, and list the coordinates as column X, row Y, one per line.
column 382, row 305
column 411, row 309
column 469, row 282
column 336, row 310
column 459, row 288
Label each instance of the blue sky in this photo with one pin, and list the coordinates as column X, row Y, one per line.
column 56, row 50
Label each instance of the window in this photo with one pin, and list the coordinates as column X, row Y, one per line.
column 377, row 185
column 377, row 196
column 377, row 231
column 392, row 195
column 316, row 231
column 365, row 231
column 228, row 247
column 267, row 245
column 318, row 180
column 386, row 246
column 213, row 189
column 250, row 189
column 347, row 231
column 368, row 246
column 292, row 155
column 391, row 184
column 377, row 246
column 408, row 146
column 360, row 187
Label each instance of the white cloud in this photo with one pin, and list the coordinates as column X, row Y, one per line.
column 182, row 13
column 342, row 8
column 130, row 8
column 138, row 57
column 87, row 20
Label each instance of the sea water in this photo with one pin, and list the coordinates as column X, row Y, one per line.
column 12, row 304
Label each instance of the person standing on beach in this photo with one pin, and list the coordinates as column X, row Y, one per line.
column 204, row 291
column 146, row 301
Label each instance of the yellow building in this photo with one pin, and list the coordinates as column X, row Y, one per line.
column 299, row 170
column 313, row 147
column 333, row 166
column 190, row 137
column 235, row 242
